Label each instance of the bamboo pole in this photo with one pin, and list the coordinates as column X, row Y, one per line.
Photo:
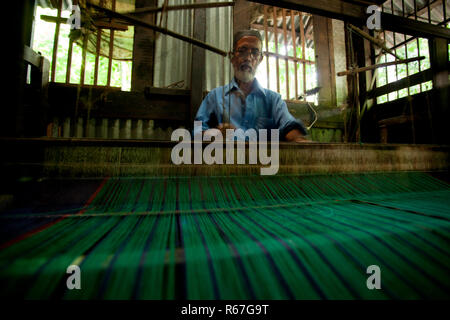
column 375, row 66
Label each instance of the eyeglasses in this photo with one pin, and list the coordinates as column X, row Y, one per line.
column 242, row 52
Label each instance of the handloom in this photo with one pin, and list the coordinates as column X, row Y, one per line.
column 141, row 228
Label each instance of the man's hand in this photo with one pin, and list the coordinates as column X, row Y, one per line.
column 224, row 126
column 296, row 136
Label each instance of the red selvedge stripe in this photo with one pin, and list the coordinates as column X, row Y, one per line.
column 48, row 225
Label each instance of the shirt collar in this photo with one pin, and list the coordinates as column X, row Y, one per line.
column 233, row 85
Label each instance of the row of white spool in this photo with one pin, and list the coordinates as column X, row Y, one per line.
column 107, row 129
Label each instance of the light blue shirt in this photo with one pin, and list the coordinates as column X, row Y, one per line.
column 261, row 109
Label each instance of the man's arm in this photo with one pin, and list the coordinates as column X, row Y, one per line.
column 296, row 136
column 292, row 129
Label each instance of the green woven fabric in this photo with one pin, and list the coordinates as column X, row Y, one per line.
column 282, row 237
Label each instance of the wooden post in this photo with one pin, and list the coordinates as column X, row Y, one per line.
column 198, row 64
column 294, row 46
column 275, row 27
column 143, row 50
column 302, row 34
column 440, row 105
column 55, row 42
column 266, row 41
column 242, row 15
column 323, row 42
column 12, row 112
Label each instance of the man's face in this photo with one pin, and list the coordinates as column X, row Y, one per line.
column 246, row 58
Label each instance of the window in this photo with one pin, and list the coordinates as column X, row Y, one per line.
column 405, row 47
column 288, row 65
column 67, row 64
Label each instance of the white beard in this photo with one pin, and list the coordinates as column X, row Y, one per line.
column 244, row 76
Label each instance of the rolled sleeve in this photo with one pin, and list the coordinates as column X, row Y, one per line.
column 285, row 121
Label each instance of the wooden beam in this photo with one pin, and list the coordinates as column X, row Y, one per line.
column 112, row 103
column 323, row 42
column 440, row 109
column 32, row 57
column 356, row 14
column 242, row 15
column 183, row 7
column 413, row 27
column 375, row 66
column 272, row 29
column 142, row 23
column 114, row 24
column 55, row 42
column 424, row 9
column 332, row 9
column 412, row 80
column 197, row 65
column 143, row 51
column 281, row 56
column 111, row 49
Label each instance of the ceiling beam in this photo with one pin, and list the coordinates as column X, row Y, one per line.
column 356, row 14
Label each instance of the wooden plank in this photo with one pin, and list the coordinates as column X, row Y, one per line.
column 135, row 105
column 143, row 50
column 32, row 57
column 197, row 65
column 156, row 103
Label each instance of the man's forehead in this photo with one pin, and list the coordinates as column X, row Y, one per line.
column 248, row 41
